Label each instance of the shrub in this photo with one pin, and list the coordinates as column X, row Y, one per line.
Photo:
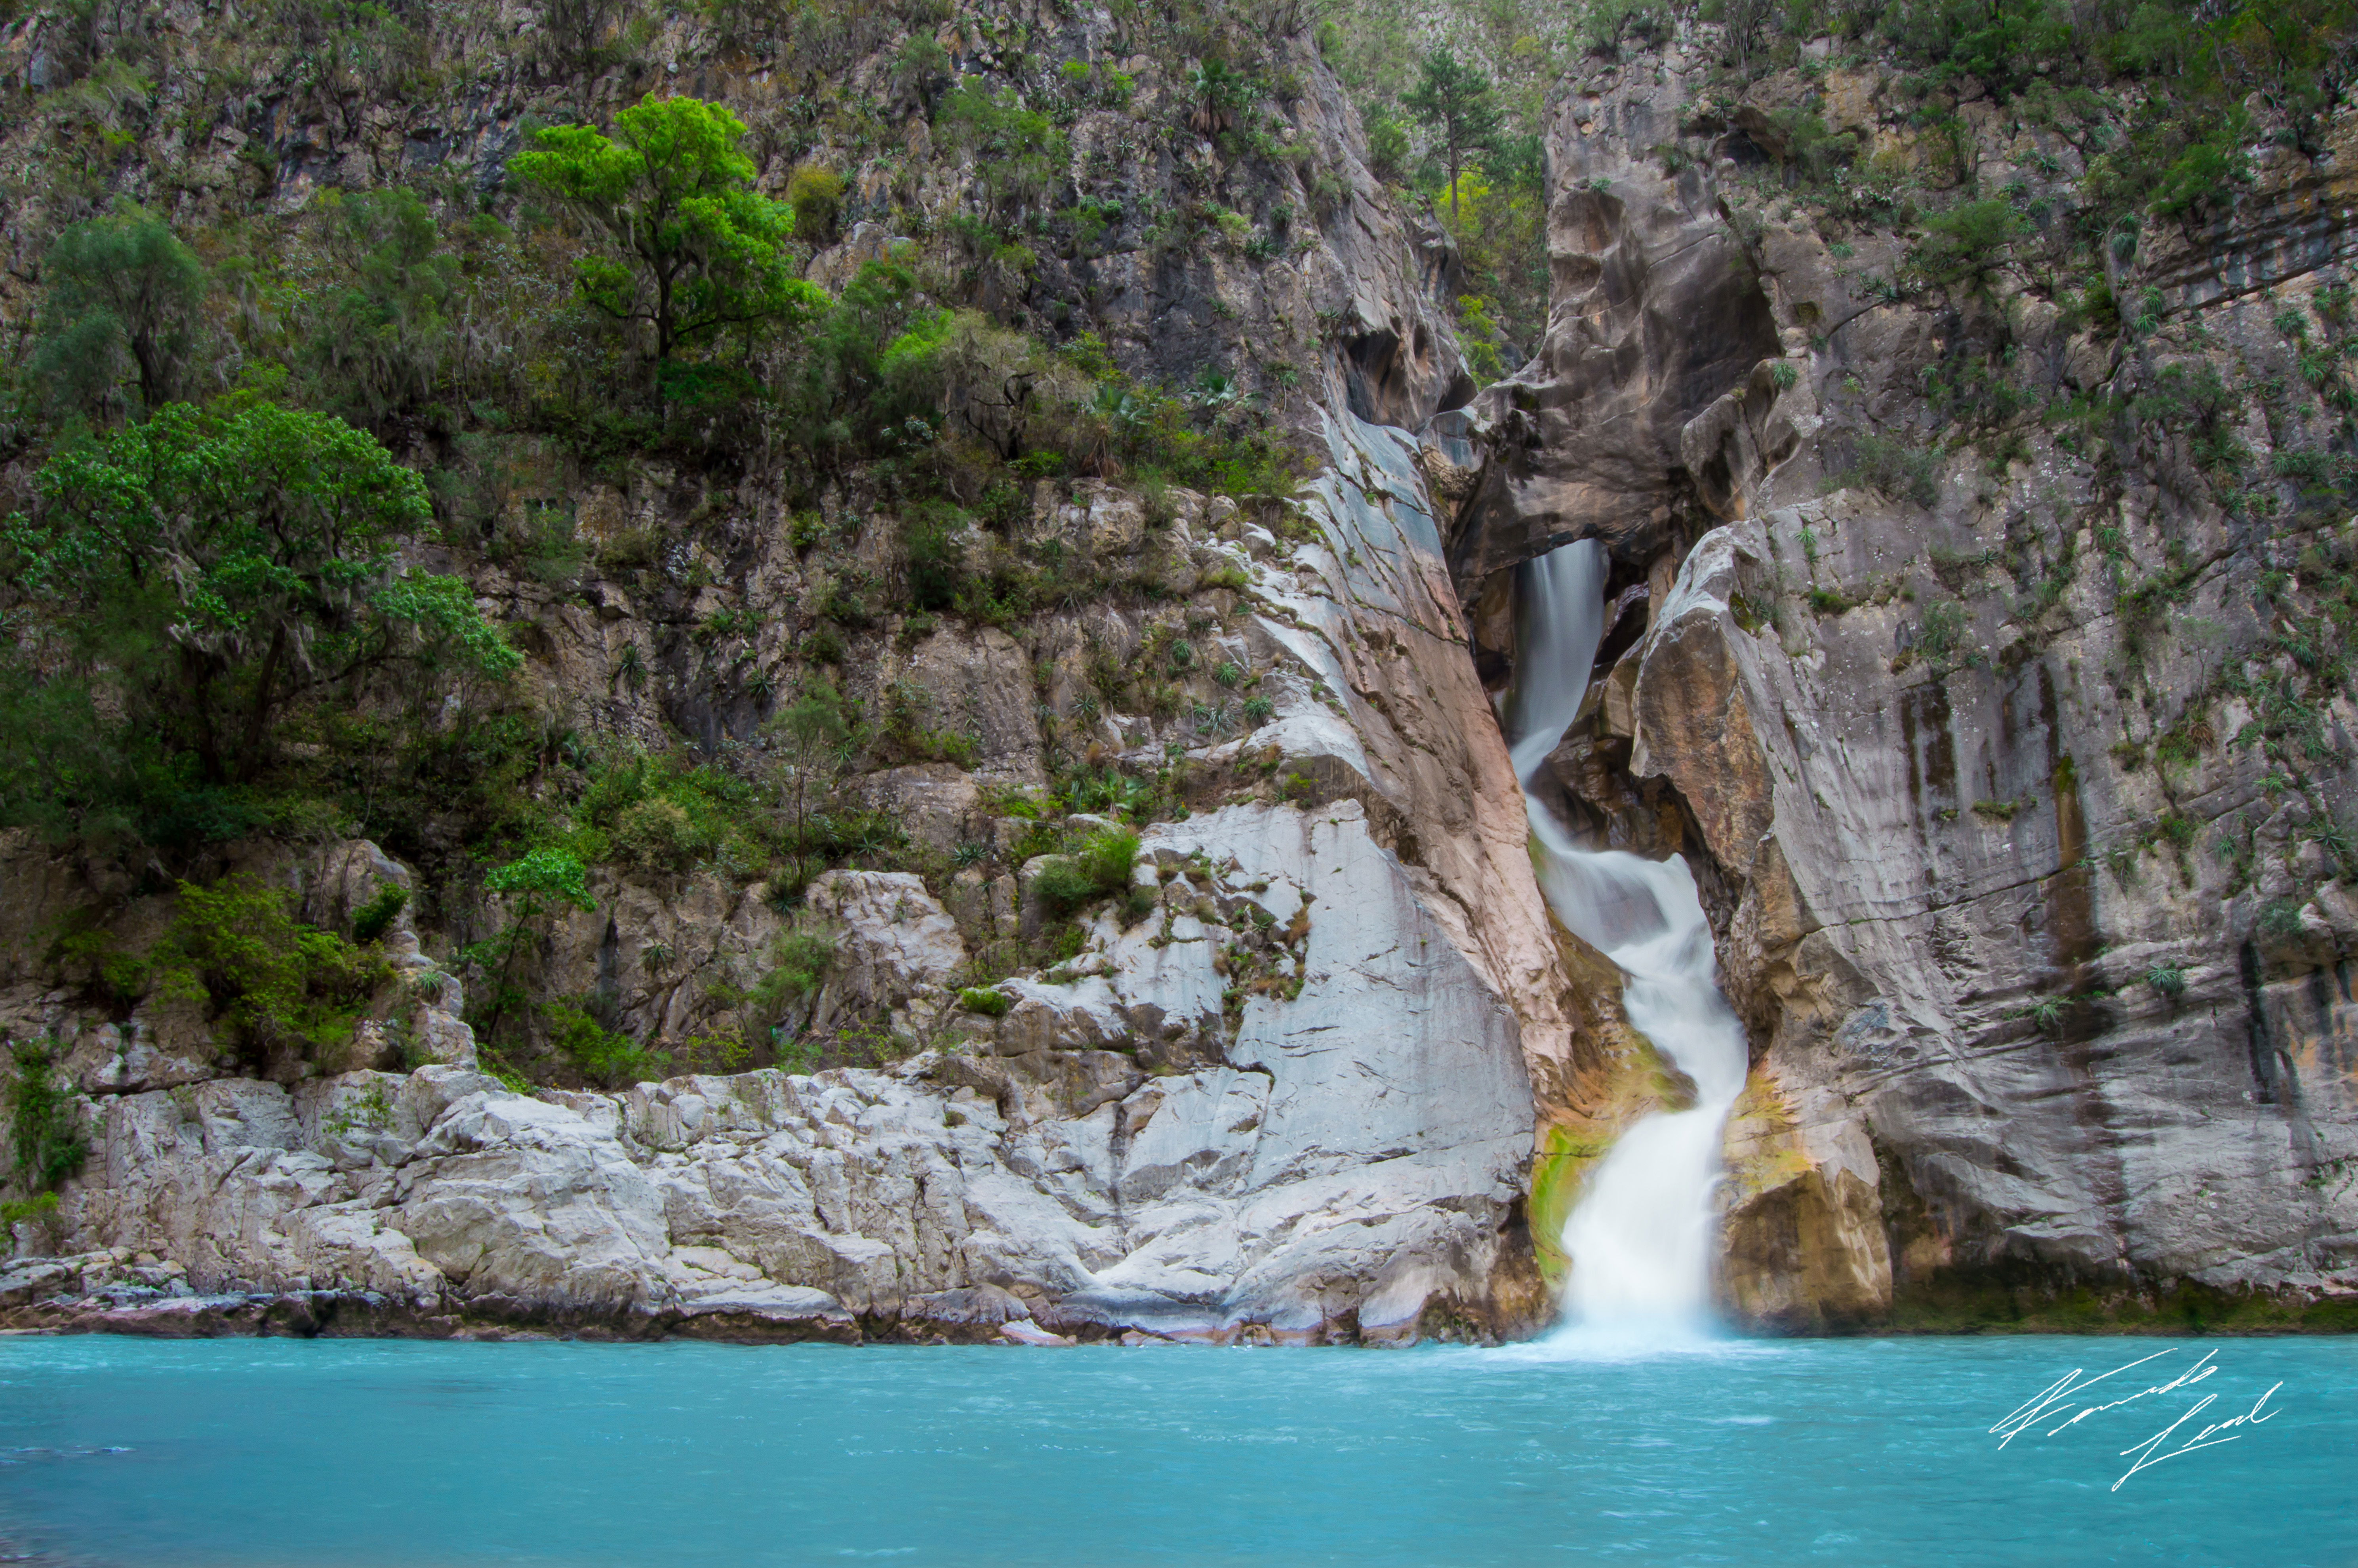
column 929, row 539
column 799, row 962
column 1943, row 625
column 1062, row 885
column 46, row 1147
column 1968, row 241
column 2166, row 979
column 606, row 1058
column 1900, row 470
column 659, row 835
column 538, row 882
column 371, row 920
column 1107, row 858
column 276, row 984
column 987, row 1000
column 2281, row 918
column 816, row 197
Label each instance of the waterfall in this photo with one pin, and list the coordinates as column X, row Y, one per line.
column 1639, row 1240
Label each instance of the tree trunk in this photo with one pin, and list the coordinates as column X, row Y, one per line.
column 258, row 718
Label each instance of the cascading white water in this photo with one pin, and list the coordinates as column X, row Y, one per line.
column 1639, row 1240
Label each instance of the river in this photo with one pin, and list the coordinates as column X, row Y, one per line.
column 1865, row 1452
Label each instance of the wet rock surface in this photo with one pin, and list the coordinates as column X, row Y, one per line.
column 2007, row 783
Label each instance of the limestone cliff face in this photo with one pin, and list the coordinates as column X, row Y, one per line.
column 2015, row 783
column 1281, row 1090
column 1290, row 1100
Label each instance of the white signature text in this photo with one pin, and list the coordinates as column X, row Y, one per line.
column 2067, row 1401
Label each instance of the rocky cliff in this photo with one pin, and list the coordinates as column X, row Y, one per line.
column 2013, row 748
column 1283, row 1094
column 1169, row 961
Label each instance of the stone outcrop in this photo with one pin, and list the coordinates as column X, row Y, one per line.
column 2011, row 794
column 1650, row 401
column 1290, row 1099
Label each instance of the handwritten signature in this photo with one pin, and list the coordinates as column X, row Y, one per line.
column 2053, row 1404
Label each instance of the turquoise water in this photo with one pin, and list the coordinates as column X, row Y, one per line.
column 1858, row 1451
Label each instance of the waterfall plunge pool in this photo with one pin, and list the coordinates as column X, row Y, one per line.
column 353, row 1454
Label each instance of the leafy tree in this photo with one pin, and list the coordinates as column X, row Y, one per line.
column 835, row 393
column 540, row 881
column 693, row 247
column 1968, row 241
column 808, row 739
column 117, row 287
column 1456, row 102
column 179, row 584
column 276, row 986
column 383, row 336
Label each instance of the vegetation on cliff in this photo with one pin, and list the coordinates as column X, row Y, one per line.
column 330, row 425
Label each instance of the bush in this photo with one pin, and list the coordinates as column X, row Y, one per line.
column 929, row 539
column 370, row 919
column 1063, row 885
column 277, row 985
column 987, row 1000
column 1901, row 471
column 799, row 961
column 658, row 835
column 46, row 1147
column 1967, row 241
column 1107, row 858
column 816, row 197
column 606, row 1058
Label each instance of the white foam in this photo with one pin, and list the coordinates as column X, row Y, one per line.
column 1640, row 1240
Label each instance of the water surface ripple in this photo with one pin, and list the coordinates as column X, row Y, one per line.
column 1848, row 1452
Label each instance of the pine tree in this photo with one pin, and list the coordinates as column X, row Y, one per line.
column 1457, row 102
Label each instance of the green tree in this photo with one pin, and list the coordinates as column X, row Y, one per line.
column 381, row 337
column 1967, row 243
column 1456, row 103
column 273, row 985
column 181, row 582
column 693, row 248
column 539, row 882
column 834, row 395
column 1003, row 388
column 114, row 289
column 808, row 739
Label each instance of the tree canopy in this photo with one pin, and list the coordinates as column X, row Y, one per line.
column 181, row 581
column 693, row 247
column 117, row 288
column 1456, row 102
